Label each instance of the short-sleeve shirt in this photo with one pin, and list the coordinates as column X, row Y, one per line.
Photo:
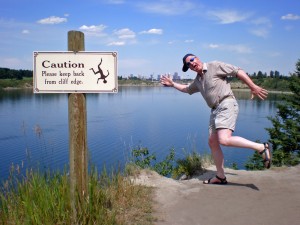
column 214, row 85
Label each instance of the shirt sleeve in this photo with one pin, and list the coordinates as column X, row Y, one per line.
column 227, row 69
column 192, row 88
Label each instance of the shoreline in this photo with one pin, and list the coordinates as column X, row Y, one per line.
column 147, row 85
column 121, row 83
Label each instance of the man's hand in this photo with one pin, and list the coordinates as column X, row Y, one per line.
column 259, row 92
column 255, row 90
column 167, row 81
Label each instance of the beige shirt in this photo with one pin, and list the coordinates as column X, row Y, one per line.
column 214, row 85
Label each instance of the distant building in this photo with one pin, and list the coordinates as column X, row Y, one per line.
column 176, row 76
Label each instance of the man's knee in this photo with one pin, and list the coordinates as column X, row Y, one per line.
column 223, row 140
column 212, row 140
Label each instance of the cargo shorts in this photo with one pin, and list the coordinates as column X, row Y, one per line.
column 224, row 116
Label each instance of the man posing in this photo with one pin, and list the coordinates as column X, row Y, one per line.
column 211, row 81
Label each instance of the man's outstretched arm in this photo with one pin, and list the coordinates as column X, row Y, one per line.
column 255, row 89
column 167, row 81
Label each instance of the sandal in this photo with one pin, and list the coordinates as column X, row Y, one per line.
column 267, row 157
column 222, row 181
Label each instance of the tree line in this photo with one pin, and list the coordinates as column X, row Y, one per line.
column 6, row 73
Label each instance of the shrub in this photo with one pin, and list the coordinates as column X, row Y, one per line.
column 191, row 165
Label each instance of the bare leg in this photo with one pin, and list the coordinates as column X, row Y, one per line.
column 225, row 138
column 217, row 155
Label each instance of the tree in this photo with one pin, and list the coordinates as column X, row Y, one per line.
column 285, row 133
column 260, row 74
column 297, row 72
column 277, row 74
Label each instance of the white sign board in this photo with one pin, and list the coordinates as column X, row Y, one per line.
column 70, row 72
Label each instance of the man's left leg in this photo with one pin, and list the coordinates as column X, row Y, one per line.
column 218, row 157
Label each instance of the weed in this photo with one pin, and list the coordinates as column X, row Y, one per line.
column 44, row 198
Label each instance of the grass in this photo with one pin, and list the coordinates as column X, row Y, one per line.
column 14, row 83
column 44, row 198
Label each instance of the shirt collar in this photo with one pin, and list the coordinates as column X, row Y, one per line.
column 204, row 67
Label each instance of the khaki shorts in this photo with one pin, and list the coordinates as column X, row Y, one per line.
column 224, row 116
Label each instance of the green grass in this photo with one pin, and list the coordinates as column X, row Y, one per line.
column 44, row 198
column 14, row 83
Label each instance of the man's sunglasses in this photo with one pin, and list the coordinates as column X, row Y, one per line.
column 191, row 60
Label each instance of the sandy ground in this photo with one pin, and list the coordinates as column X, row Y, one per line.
column 270, row 197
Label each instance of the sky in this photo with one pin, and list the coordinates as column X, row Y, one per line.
column 151, row 36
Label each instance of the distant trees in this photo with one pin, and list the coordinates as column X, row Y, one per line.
column 6, row 73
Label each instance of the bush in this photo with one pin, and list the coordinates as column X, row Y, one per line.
column 192, row 164
column 285, row 133
column 189, row 166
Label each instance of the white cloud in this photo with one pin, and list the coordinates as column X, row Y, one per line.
column 213, row 46
column 274, row 54
column 262, row 27
column 114, row 2
column 260, row 32
column 93, row 28
column 289, row 28
column 290, row 16
column 25, row 32
column 116, row 43
column 189, row 41
column 262, row 21
column 228, row 16
column 52, row 20
column 239, row 48
column 167, row 7
column 152, row 31
column 125, row 33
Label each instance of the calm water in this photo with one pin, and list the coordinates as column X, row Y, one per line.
column 34, row 128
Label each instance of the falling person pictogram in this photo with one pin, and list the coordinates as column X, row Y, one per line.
column 102, row 76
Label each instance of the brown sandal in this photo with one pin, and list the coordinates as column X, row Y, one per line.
column 267, row 157
column 222, row 181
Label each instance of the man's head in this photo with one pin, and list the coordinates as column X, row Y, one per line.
column 185, row 67
column 190, row 61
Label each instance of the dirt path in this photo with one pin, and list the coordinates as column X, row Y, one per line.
column 250, row 198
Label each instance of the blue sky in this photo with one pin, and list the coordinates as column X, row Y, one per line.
column 151, row 37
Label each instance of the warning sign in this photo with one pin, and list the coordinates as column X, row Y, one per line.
column 69, row 72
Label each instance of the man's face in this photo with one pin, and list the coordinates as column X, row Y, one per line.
column 194, row 63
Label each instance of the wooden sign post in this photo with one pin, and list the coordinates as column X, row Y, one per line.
column 76, row 72
column 77, row 133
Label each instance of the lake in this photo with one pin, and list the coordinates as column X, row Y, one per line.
column 34, row 127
